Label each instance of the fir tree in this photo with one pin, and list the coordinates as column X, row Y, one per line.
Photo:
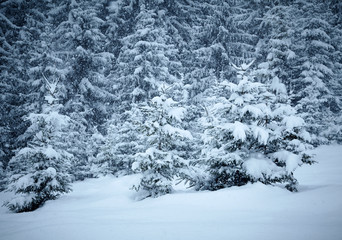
column 39, row 172
column 22, row 24
column 146, row 60
column 251, row 136
column 162, row 158
column 123, row 141
column 80, row 41
column 313, row 93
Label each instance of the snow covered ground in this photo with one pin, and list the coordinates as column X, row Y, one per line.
column 105, row 208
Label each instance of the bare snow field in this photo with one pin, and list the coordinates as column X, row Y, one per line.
column 105, row 208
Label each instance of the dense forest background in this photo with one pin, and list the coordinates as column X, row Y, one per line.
column 83, row 85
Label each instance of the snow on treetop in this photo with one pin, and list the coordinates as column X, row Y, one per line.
column 237, row 128
column 138, row 70
column 114, row 6
column 291, row 55
column 135, row 166
column 138, row 91
column 284, row 110
column 50, row 99
column 23, row 151
column 277, row 86
column 244, row 66
column 230, row 85
column 247, row 86
column 239, row 101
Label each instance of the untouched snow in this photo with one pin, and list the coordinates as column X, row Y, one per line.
column 105, row 208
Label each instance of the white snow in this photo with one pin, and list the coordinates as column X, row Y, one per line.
column 24, row 181
column 114, row 6
column 293, row 122
column 51, row 153
column 177, row 113
column 239, row 131
column 292, row 160
column 51, row 172
column 49, row 99
column 21, row 199
column 253, row 110
column 256, row 167
column 177, row 131
column 277, row 86
column 261, row 134
column 105, row 208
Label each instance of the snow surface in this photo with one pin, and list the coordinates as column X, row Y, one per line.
column 105, row 208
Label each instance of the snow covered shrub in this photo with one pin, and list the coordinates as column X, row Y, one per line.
column 253, row 135
column 162, row 158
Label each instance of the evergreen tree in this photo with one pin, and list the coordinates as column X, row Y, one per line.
column 313, row 94
column 80, row 41
column 147, row 59
column 163, row 156
column 238, row 33
column 251, row 136
column 277, row 30
column 123, row 141
column 22, row 24
column 39, row 172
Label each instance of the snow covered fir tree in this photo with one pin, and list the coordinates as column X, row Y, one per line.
column 252, row 135
column 162, row 159
column 222, row 123
column 39, row 172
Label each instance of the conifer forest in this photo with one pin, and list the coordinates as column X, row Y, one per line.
column 210, row 93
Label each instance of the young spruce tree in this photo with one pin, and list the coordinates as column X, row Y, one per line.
column 163, row 158
column 39, row 172
column 253, row 135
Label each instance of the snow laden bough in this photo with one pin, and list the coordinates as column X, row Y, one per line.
column 253, row 135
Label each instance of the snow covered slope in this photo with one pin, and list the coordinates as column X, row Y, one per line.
column 105, row 209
